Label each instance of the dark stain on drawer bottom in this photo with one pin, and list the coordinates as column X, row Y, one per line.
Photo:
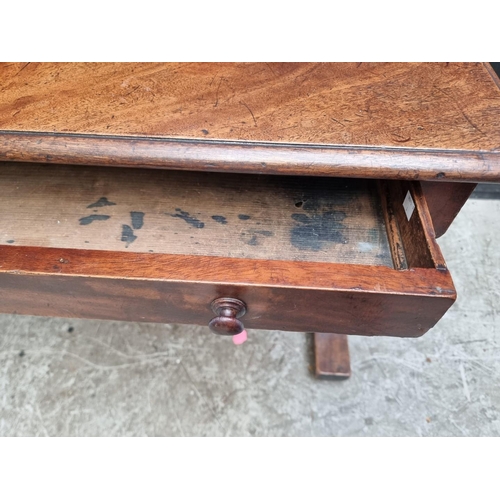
column 220, row 219
column 252, row 237
column 137, row 219
column 101, row 202
column 128, row 235
column 193, row 221
column 312, row 231
column 85, row 221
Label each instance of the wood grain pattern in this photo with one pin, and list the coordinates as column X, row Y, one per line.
column 416, row 233
column 331, row 356
column 418, row 105
column 130, row 265
column 254, row 158
column 412, row 121
column 288, row 296
column 409, row 122
column 280, row 294
column 493, row 74
column 445, row 200
column 396, row 242
column 193, row 213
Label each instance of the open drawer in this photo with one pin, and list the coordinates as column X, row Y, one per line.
column 350, row 256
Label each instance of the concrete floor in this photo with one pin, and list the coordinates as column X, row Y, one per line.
column 63, row 377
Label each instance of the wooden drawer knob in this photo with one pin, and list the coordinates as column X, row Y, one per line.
column 228, row 311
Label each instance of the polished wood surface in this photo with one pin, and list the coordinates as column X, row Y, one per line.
column 432, row 121
column 254, row 158
column 227, row 311
column 331, row 356
column 418, row 105
column 183, row 240
column 288, row 296
column 445, row 200
column 193, row 213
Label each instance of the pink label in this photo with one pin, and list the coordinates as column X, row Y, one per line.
column 240, row 338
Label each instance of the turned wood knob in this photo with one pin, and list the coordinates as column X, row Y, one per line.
column 228, row 311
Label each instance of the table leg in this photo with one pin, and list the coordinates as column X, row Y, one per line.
column 331, row 356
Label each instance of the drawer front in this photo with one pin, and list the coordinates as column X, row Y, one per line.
column 328, row 297
column 301, row 254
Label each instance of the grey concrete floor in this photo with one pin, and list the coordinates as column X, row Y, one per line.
column 62, row 377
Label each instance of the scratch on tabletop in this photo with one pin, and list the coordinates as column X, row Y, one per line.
column 244, row 104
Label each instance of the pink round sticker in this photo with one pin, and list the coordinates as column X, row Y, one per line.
column 240, row 338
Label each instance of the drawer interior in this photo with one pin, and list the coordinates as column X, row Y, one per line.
column 194, row 213
column 317, row 254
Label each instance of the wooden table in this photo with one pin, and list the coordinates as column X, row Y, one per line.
column 298, row 197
